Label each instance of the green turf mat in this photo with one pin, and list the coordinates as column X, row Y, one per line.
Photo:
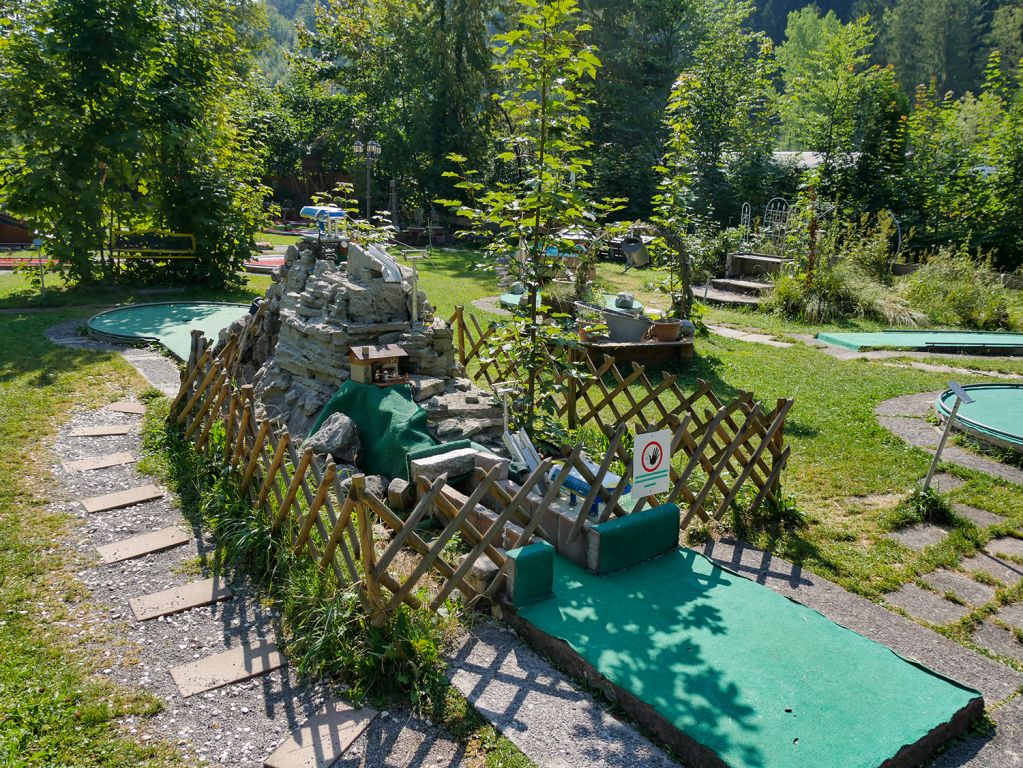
column 922, row 340
column 390, row 425
column 762, row 681
column 169, row 323
column 996, row 410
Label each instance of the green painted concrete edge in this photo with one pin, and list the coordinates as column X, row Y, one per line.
column 534, row 573
column 631, row 539
column 945, row 409
column 120, row 338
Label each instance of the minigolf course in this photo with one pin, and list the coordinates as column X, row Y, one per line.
column 995, row 416
column 963, row 342
column 169, row 323
column 745, row 677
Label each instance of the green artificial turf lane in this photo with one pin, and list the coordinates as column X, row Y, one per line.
column 921, row 339
column 762, row 681
column 996, row 410
column 171, row 323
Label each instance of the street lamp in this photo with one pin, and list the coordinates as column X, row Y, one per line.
column 371, row 151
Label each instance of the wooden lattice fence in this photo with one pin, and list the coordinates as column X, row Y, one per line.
column 734, row 443
column 341, row 525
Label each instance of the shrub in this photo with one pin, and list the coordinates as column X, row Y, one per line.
column 839, row 291
column 954, row 289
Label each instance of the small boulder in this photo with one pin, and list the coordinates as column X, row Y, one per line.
column 337, row 436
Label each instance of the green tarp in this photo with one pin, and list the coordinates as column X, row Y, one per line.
column 390, row 425
column 762, row 681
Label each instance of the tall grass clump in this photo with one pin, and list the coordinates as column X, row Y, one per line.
column 324, row 625
column 954, row 289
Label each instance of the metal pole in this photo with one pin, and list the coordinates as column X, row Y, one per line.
column 369, row 163
column 941, row 444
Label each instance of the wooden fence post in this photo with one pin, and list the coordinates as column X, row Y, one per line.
column 460, row 333
column 378, row 615
column 570, row 396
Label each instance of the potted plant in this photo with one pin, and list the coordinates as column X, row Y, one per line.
column 665, row 328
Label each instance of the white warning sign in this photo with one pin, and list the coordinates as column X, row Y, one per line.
column 650, row 462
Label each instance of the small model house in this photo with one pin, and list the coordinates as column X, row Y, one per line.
column 377, row 364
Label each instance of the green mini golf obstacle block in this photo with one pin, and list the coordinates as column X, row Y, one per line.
column 623, row 542
column 530, row 573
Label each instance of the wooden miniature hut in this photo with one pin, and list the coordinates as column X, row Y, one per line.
column 378, row 364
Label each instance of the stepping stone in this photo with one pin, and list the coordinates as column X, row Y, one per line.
column 919, row 536
column 1007, row 546
column 962, row 586
column 979, row 517
column 225, row 668
column 105, row 431
column 1012, row 614
column 1006, row 572
column 323, row 738
column 99, row 462
column 998, row 640
column 943, row 482
column 926, row 605
column 178, row 599
column 146, row 544
column 119, row 499
column 127, row 406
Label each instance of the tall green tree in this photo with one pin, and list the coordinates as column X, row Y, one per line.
column 77, row 81
column 643, row 44
column 545, row 72
column 721, row 114
column 837, row 104
column 413, row 75
column 127, row 110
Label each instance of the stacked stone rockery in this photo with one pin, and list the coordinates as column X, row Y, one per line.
column 317, row 311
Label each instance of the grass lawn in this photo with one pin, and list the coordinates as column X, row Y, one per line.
column 55, row 709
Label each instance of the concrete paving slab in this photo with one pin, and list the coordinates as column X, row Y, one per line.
column 979, row 517
column 914, row 431
column 907, row 638
column 916, row 406
column 926, row 605
column 998, row 640
column 99, row 462
column 1002, row 748
column 177, row 599
column 1004, row 571
column 146, row 544
column 552, row 720
column 232, row 666
column 104, row 431
column 919, row 536
column 962, row 586
column 323, row 738
column 127, row 406
column 943, row 482
column 1007, row 546
column 120, row 499
column 1011, row 614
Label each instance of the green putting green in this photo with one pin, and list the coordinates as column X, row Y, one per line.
column 762, row 681
column 932, row 341
column 995, row 415
column 170, row 323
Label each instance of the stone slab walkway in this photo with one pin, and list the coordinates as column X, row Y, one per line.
column 747, row 335
column 551, row 719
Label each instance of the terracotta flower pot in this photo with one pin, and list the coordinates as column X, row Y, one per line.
column 665, row 330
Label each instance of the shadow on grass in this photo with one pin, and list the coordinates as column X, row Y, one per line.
column 25, row 351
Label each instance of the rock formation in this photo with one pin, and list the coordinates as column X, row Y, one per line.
column 297, row 357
